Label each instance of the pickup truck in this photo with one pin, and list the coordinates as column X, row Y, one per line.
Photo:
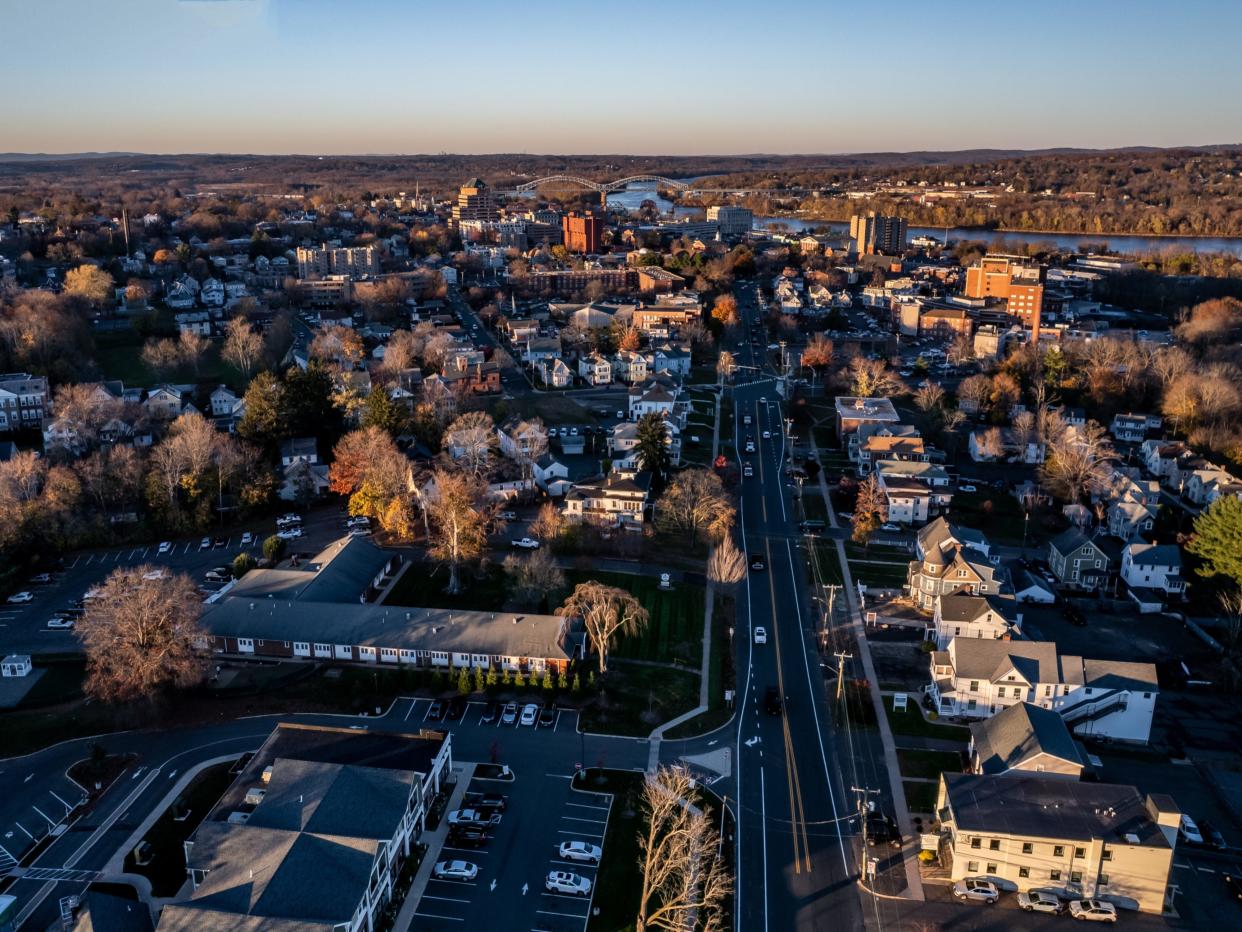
column 526, row 543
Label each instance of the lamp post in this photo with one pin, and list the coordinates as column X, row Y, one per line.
column 1026, row 520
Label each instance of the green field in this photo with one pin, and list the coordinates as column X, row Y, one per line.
column 920, row 797
column 423, row 585
column 675, row 630
column 927, row 764
column 632, row 699
column 122, row 359
column 911, row 722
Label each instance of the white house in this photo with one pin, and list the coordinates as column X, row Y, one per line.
column 975, row 616
column 976, row 678
column 623, row 444
column 16, row 665
column 165, row 402
column 595, row 369
column 224, row 402
column 629, row 366
column 1153, row 572
column 299, row 450
column 194, row 322
column 212, row 293
column 558, row 374
column 552, row 475
column 612, row 500
column 656, row 396
column 909, row 501
column 1133, row 428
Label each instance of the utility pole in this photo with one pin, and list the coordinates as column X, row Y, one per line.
column 841, row 658
column 863, row 792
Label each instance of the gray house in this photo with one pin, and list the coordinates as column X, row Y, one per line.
column 1078, row 561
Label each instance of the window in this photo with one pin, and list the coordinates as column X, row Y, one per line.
column 1000, row 692
column 961, row 574
column 991, row 867
column 1047, row 690
column 976, row 843
column 972, row 867
column 1103, row 880
column 994, row 844
column 1054, row 875
column 974, row 686
column 972, row 704
column 1027, row 847
column 1106, row 854
column 1075, row 876
column 1058, row 851
column 1024, row 872
column 1080, row 852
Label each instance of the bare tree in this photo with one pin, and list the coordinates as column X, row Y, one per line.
column 961, row 350
column 686, row 884
column 870, row 510
column 1078, row 461
column 191, row 346
column 989, row 443
column 533, row 576
column 726, row 565
column 696, row 501
column 90, row 283
column 471, row 441
column 929, row 396
column 973, row 392
column 243, row 346
column 726, row 364
column 161, row 356
column 401, row 352
column 339, row 346
column 607, row 612
column 141, row 634
column 458, row 522
column 548, row 523
column 871, row 378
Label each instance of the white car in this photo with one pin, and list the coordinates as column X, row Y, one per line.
column 455, row 870
column 526, row 543
column 1093, row 910
column 748, row 471
column 473, row 817
column 204, row 544
column 581, row 851
column 567, row 882
column 360, row 521
column 750, row 446
column 973, row 888
column 156, row 574
column 1037, row 901
column 890, row 528
column 1187, row 829
column 509, row 715
column 507, row 516
column 41, row 580
column 530, row 714
column 17, row 598
column 60, row 624
column 165, row 547
column 247, row 539
column 966, row 488
column 761, row 635
column 290, row 533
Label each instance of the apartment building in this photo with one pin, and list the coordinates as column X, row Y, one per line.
column 733, row 222
column 24, row 401
column 351, row 261
column 881, row 441
column 581, row 233
column 852, row 413
column 1080, row 839
column 876, row 233
column 976, row 678
column 475, row 201
column 313, row 833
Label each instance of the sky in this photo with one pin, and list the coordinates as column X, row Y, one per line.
column 583, row 76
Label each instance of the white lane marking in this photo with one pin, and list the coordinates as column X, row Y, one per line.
column 422, row 915
column 61, row 801
column 763, row 822
column 447, row 899
column 580, row 819
column 24, row 832
column 578, row 834
column 588, row 806
column 44, row 814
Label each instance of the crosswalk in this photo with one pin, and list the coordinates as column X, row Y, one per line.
column 60, row 874
column 7, row 861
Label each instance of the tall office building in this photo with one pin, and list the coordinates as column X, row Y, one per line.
column 1015, row 280
column 735, row 222
column 877, row 233
column 475, row 201
column 582, row 232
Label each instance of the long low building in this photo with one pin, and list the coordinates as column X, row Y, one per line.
column 320, row 611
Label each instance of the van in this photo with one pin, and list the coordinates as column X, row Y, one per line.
column 811, row 526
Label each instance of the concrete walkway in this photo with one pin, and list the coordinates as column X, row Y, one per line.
column 858, row 629
column 434, row 842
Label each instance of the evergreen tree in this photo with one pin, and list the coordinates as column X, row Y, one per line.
column 651, row 447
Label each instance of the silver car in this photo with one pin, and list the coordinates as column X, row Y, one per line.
column 580, row 851
column 1036, row 901
column 974, row 888
column 455, row 870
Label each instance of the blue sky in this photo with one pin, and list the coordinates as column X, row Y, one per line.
column 410, row 76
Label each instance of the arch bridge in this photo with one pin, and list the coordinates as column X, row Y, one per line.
column 603, row 187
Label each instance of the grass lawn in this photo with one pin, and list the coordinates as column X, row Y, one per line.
column 911, row 722
column 634, row 699
column 167, row 867
column 554, row 409
column 920, row 797
column 877, row 551
column 997, row 511
column 879, row 575
column 927, row 764
column 422, row 585
column 829, row 564
column 720, row 675
column 675, row 631
column 122, row 359
column 61, row 681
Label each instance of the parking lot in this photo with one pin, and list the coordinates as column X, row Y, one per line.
column 23, row 627
column 541, row 811
column 35, row 812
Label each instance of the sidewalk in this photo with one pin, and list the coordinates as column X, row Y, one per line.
column 434, row 841
column 858, row 630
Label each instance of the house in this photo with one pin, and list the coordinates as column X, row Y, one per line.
column 314, row 832
column 916, row 491
column 304, row 481
column 180, row 296
column 996, row 444
column 1129, row 520
column 16, row 665
column 539, row 350
column 908, row 501
column 198, row 322
column 975, row 616
column 1034, row 831
column 480, row 379
column 522, row 440
column 623, row 444
column 1159, row 456
column 558, row 374
column 212, row 293
column 852, row 413
column 322, row 610
column 669, row 360
column 1133, row 428
column 614, row 499
column 657, row 396
column 1078, row 561
column 224, row 402
column 595, row 369
column 951, row 559
column 1030, row 587
column 1025, row 738
column 880, row 441
column 1153, row 572
column 165, row 403
column 976, row 678
column 629, row 367
column 552, row 475
column 24, row 401
column 1204, row 486
column 299, row 450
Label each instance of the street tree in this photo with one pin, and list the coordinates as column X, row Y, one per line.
column 725, row 310
column 726, row 365
column 471, row 441
column 870, row 510
column 142, row 635
column 686, row 883
column 548, row 523
column 726, row 565
column 695, row 502
column 607, row 613
column 458, row 521
column 818, row 352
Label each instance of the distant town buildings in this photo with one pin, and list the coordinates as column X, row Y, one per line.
column 733, row 222
column 475, row 201
column 352, row 261
column 876, row 233
column 1013, row 279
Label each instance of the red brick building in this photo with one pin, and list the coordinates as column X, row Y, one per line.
column 582, row 232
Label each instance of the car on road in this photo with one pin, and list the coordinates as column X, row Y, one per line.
column 360, row 521
column 772, row 701
column 581, row 851
column 567, row 882
column 975, row 888
column 746, row 419
column 1036, row 901
column 758, row 562
column 60, row 624
column 748, row 471
column 165, row 547
column 812, row 526
column 761, row 635
column 289, row 518
column 530, row 713
column 359, row 532
column 966, row 488
column 890, row 528
column 621, row 415
column 547, row 716
column 290, row 533
column 1187, row 829
column 219, row 574
column 455, row 870
column 473, row 817
column 247, row 539
column 1093, row 910
column 468, row 836
column 18, row 598
column 750, row 446
column 490, row 713
column 41, row 580
column 510, row 715
column 767, row 435
column 507, row 516
column 1234, row 886
column 526, row 543
column 436, row 711
column 204, row 544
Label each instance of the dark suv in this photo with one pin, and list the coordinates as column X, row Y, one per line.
column 881, row 830
column 772, row 701
column 468, row 836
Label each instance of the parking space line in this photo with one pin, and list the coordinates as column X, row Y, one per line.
column 144, row 552
column 89, row 558
column 24, row 832
column 471, row 851
column 447, row 899
column 61, row 801
column 569, row 818
column 42, row 813
column 434, row 916
column 588, row 806
column 557, row 723
column 413, row 705
column 561, row 831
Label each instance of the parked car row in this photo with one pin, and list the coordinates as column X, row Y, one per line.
column 982, row 890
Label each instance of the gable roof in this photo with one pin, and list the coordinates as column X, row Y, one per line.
column 1019, row 733
column 1154, row 554
column 1070, row 540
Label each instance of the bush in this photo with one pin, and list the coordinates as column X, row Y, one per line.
column 274, row 548
column 926, row 857
column 932, row 715
column 463, row 683
column 927, row 646
column 243, row 563
column 547, row 681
